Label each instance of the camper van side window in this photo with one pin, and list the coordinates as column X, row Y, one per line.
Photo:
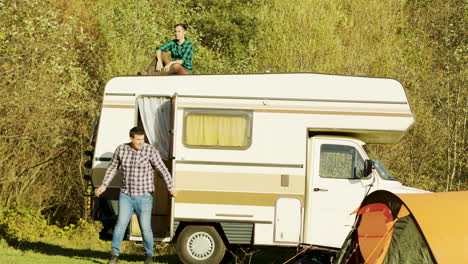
column 226, row 129
column 340, row 162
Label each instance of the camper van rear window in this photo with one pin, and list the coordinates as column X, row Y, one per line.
column 226, row 129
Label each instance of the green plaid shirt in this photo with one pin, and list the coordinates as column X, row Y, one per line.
column 182, row 52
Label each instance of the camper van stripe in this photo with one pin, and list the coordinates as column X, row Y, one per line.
column 240, row 164
column 293, row 99
column 118, row 106
column 306, row 110
column 236, row 181
column 120, row 94
column 333, row 113
column 232, row 198
column 372, row 108
column 210, row 181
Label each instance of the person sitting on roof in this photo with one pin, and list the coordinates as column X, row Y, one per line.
column 180, row 61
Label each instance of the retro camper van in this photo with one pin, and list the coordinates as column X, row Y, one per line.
column 259, row 159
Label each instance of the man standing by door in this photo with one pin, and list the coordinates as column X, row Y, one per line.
column 138, row 161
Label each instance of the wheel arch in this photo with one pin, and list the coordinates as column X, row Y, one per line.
column 180, row 225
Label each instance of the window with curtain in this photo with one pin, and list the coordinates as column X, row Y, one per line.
column 217, row 129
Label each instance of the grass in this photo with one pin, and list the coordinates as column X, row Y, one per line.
column 69, row 252
column 89, row 250
column 25, row 237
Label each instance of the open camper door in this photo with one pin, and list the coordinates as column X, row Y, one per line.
column 334, row 189
column 156, row 115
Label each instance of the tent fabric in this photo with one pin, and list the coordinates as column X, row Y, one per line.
column 408, row 245
column 392, row 201
column 427, row 228
column 375, row 232
column 443, row 218
column 347, row 254
column 403, row 212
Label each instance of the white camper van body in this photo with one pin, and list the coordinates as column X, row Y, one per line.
column 280, row 186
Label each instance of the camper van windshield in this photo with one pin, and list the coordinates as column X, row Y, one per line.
column 384, row 174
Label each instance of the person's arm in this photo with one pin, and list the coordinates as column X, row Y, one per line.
column 159, row 64
column 158, row 164
column 110, row 172
column 166, row 47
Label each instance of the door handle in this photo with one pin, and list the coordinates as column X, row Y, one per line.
column 320, row 190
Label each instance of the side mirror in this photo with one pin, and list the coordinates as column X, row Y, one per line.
column 88, row 153
column 368, row 165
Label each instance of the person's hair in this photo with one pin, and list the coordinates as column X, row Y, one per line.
column 184, row 26
column 136, row 131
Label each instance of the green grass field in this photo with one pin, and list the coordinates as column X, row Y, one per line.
column 25, row 237
column 68, row 251
column 76, row 252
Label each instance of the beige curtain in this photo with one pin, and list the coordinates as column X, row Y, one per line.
column 216, row 130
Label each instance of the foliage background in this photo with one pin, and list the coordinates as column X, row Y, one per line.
column 56, row 56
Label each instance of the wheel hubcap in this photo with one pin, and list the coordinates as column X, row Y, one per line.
column 200, row 245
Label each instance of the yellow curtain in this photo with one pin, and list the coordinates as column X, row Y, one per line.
column 216, row 130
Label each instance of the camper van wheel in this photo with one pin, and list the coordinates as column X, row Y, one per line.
column 200, row 244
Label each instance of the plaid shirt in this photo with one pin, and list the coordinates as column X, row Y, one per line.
column 137, row 169
column 182, row 52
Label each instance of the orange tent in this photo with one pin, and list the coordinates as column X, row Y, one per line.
column 409, row 228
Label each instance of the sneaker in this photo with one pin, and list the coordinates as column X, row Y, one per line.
column 113, row 259
column 148, row 259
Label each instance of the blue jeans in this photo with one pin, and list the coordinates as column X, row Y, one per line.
column 142, row 206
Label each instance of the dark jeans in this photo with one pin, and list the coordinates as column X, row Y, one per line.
column 175, row 68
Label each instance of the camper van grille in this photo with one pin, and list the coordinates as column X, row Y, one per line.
column 238, row 233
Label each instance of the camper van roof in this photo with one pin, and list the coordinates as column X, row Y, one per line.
column 295, row 86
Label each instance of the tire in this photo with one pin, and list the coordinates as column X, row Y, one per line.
column 200, row 244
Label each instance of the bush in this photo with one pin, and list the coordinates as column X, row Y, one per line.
column 228, row 29
column 48, row 101
column 23, row 224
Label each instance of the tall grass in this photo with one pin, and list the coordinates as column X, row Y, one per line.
column 342, row 37
column 47, row 101
column 433, row 155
